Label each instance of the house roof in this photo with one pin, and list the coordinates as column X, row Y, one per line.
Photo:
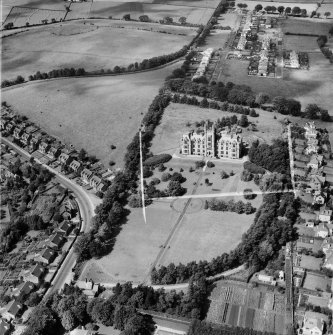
column 65, row 225
column 313, row 319
column 47, row 253
column 14, row 307
column 24, row 288
column 300, row 172
column 37, row 271
column 57, row 239
column 4, row 327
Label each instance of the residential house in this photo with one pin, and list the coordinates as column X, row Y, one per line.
column 23, row 289
column 10, row 127
column 299, row 149
column 46, row 256
column 328, row 263
column 86, row 175
column 94, row 181
column 4, row 327
column 56, row 240
column 81, row 331
column 88, row 287
column 319, row 198
column 35, row 141
column 3, row 123
column 25, row 138
column 18, row 131
column 316, row 162
column 312, row 146
column 44, row 147
column 316, row 182
column 65, row 158
column 54, row 152
column 102, row 186
column 65, row 227
column 12, row 310
column 266, row 279
column 35, row 275
column 321, row 230
column 310, row 130
column 314, row 323
column 325, row 215
column 75, row 166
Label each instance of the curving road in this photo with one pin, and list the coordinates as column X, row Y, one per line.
column 86, row 206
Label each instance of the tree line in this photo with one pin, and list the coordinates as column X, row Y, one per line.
column 65, row 311
column 322, row 40
column 258, row 245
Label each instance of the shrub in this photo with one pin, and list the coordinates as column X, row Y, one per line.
column 157, row 160
column 248, row 194
column 155, row 181
column 199, row 164
column 253, row 168
column 165, row 176
column 224, row 175
column 210, row 164
column 161, row 167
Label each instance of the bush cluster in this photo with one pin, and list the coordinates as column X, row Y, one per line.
column 157, row 160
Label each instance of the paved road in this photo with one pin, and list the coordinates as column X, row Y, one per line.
column 86, row 207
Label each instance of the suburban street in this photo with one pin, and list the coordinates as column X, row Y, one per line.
column 86, row 206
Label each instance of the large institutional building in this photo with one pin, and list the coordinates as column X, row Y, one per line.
column 209, row 143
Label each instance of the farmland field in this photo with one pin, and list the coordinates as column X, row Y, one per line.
column 316, row 282
column 90, row 113
column 95, row 45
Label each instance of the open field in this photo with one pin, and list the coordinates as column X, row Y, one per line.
column 300, row 43
column 300, row 26
column 90, row 113
column 92, row 45
column 136, row 247
column 236, row 304
column 206, row 234
column 326, row 7
column 308, row 86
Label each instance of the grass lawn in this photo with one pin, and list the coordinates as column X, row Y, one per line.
column 136, row 247
column 205, row 234
column 176, row 116
column 311, row 263
column 316, row 281
column 300, row 43
column 90, row 113
column 92, row 45
column 305, row 26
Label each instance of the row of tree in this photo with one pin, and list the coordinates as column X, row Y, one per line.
column 205, row 103
column 322, row 40
column 64, row 312
column 238, row 207
column 259, row 244
column 281, row 9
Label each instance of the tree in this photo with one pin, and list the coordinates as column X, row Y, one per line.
column 224, row 175
column 68, row 320
column 258, row 7
column 82, row 155
column 303, row 12
column 33, row 299
column 288, row 10
column 182, row 20
column 175, row 188
column 127, row 17
column 327, row 14
column 168, row 20
column 243, row 122
column 19, row 80
column 144, row 18
column 312, row 111
column 296, row 11
column 268, row 8
column 280, row 9
column 262, row 98
column 318, row 15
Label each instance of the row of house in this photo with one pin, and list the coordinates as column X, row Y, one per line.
column 33, row 139
column 206, row 56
